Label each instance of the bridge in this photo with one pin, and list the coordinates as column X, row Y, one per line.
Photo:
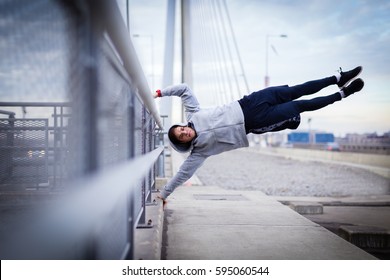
column 82, row 151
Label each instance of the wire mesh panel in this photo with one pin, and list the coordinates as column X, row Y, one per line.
column 34, row 148
column 23, row 151
column 33, row 63
column 113, row 112
column 33, row 52
column 138, row 202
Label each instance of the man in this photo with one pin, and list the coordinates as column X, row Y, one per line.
column 215, row 130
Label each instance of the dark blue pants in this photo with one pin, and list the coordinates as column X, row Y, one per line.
column 273, row 108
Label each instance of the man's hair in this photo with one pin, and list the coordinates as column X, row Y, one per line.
column 172, row 136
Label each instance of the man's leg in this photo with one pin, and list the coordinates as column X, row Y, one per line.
column 282, row 94
column 290, row 109
column 341, row 79
column 317, row 103
column 311, row 87
column 321, row 102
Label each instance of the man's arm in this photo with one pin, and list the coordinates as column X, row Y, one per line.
column 187, row 169
column 190, row 103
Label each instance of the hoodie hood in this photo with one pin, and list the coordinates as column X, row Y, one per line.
column 179, row 147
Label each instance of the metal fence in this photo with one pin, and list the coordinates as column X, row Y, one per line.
column 78, row 127
column 33, row 150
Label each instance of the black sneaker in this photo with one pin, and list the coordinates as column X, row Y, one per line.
column 353, row 87
column 348, row 76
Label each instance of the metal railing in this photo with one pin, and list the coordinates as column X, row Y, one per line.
column 95, row 150
column 33, row 151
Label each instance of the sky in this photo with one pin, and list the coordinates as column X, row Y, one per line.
column 321, row 37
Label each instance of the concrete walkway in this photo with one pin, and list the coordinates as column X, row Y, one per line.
column 208, row 222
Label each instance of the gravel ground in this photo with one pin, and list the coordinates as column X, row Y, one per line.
column 248, row 170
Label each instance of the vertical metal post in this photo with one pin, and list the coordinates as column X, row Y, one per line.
column 91, row 115
column 160, row 142
column 91, row 33
column 130, row 248
column 167, row 80
column 61, row 149
column 55, row 155
column 186, row 42
column 130, row 199
column 266, row 78
column 129, row 254
column 151, row 173
column 88, row 28
column 142, row 219
column 10, row 144
column 46, row 156
column 186, row 45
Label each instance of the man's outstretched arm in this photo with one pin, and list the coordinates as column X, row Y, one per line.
column 187, row 169
column 190, row 103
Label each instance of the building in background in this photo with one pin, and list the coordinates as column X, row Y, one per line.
column 366, row 143
column 354, row 142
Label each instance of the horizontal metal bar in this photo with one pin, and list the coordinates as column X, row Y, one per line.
column 23, row 128
column 35, row 104
column 23, row 148
column 9, row 113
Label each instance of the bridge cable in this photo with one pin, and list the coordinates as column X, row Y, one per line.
column 236, row 46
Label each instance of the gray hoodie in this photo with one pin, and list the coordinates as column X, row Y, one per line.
column 218, row 129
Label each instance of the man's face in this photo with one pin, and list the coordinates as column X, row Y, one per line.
column 184, row 134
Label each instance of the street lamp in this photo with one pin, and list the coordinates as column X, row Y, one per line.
column 151, row 55
column 310, row 137
column 266, row 78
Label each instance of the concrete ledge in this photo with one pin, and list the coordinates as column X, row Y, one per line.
column 161, row 182
column 148, row 241
column 371, row 200
column 379, row 164
column 376, row 160
column 307, row 207
column 366, row 237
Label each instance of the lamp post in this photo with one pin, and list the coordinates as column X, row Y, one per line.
column 151, row 55
column 310, row 137
column 266, row 78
